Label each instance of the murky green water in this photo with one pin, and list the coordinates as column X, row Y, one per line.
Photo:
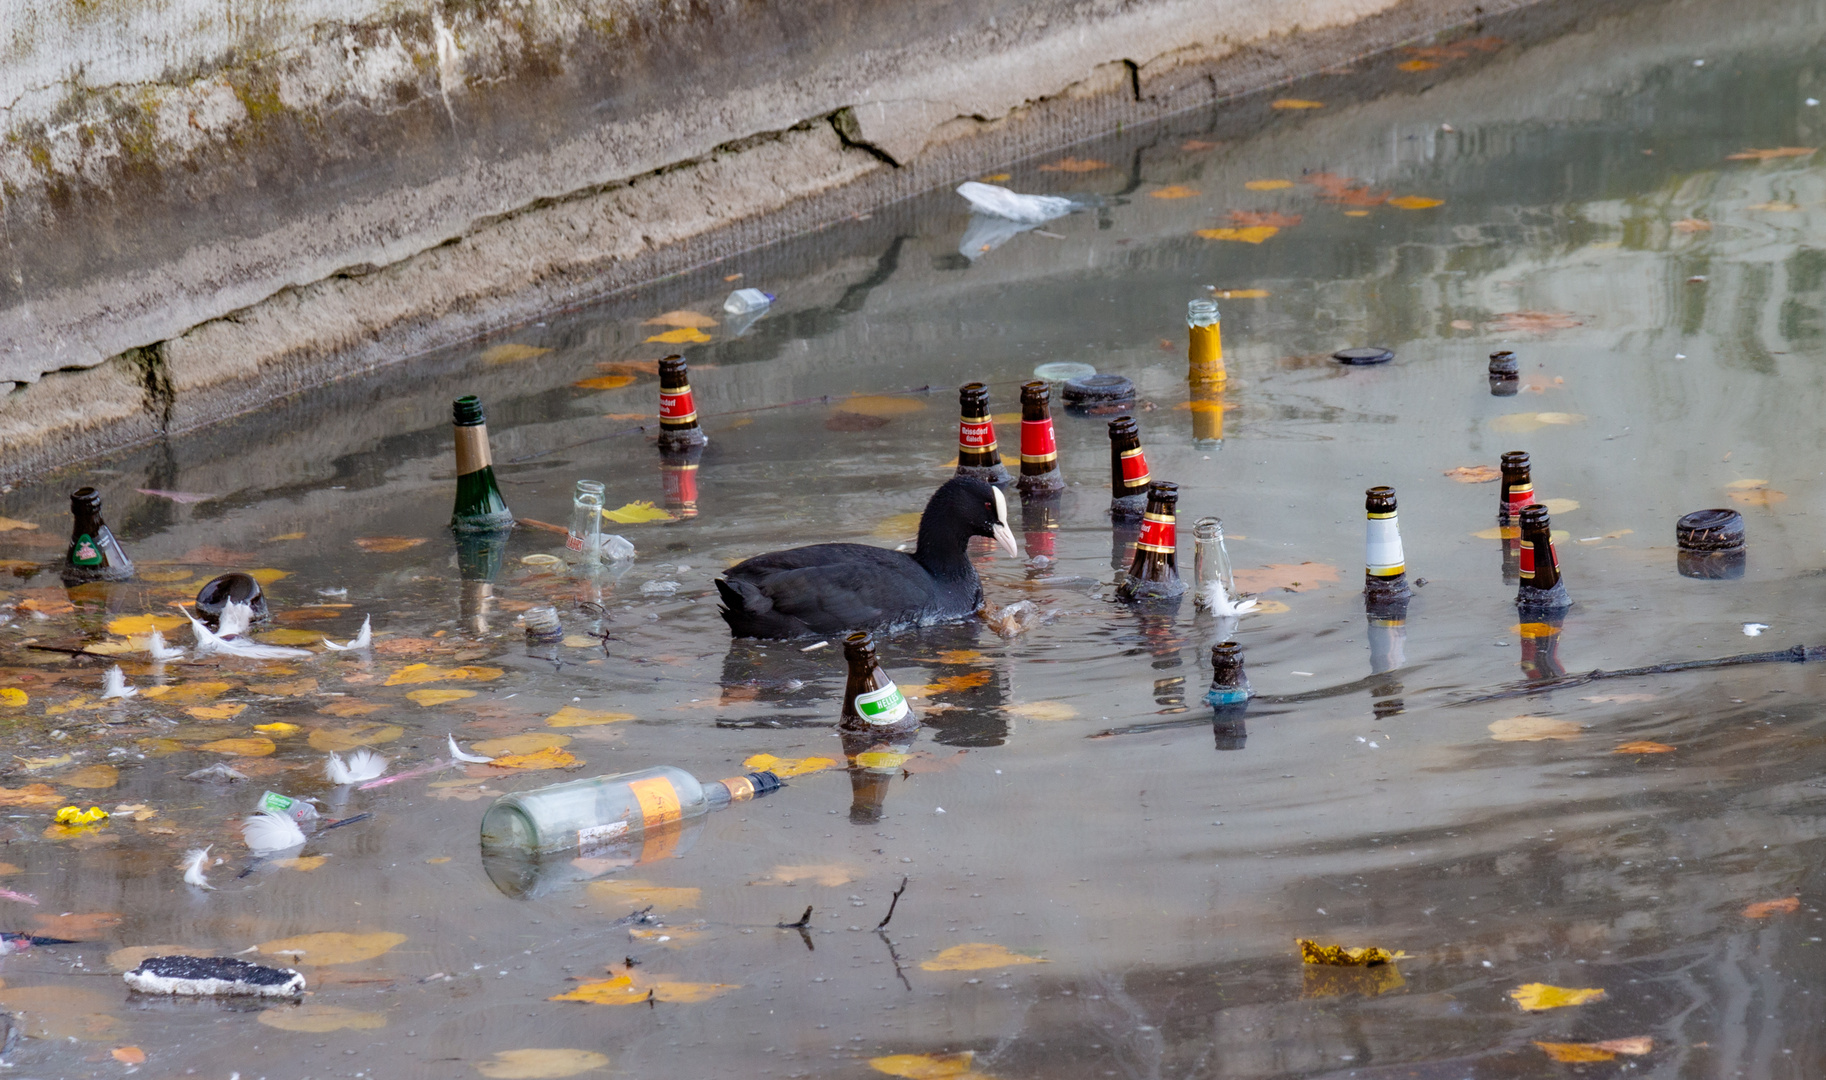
column 1668, row 306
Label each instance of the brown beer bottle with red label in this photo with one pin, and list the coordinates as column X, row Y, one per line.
column 1154, row 575
column 94, row 554
column 1128, row 471
column 1541, row 590
column 1039, row 447
column 977, row 455
column 678, row 430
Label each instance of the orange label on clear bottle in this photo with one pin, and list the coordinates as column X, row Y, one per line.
column 659, row 801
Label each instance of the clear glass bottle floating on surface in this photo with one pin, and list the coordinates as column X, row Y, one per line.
column 94, row 554
column 584, row 539
column 585, row 814
column 1205, row 345
column 479, row 505
column 1211, row 566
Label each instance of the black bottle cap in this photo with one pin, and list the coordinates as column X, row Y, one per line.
column 764, row 783
column 1363, row 357
column 466, row 411
column 1710, row 530
column 1095, row 390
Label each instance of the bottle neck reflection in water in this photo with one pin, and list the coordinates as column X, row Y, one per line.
column 875, row 759
column 871, row 701
column 1129, row 475
column 1211, row 565
column 1540, row 638
column 678, row 427
column 1154, row 575
column 1388, row 637
column 584, row 540
column 1205, row 345
column 94, row 554
column 479, row 506
column 479, row 557
column 978, row 456
column 678, row 482
column 1039, row 529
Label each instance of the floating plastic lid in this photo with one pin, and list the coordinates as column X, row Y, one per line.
column 1363, row 357
column 1063, row 371
column 1098, row 390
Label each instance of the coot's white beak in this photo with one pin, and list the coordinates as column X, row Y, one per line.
column 1004, row 536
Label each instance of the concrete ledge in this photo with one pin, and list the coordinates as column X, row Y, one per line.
column 176, row 333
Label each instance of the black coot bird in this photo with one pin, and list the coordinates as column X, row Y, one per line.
column 831, row 588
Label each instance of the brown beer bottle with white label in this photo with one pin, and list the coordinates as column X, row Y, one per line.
column 678, row 430
column 1154, row 575
column 1039, row 447
column 1385, row 581
column 1541, row 590
column 94, row 554
column 977, row 455
column 1128, row 471
column 871, row 701
column 479, row 505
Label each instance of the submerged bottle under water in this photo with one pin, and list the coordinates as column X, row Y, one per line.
column 602, row 810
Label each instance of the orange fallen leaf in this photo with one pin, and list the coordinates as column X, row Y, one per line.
column 1533, row 729
column 1248, row 219
column 682, row 317
column 225, row 711
column 1758, row 496
column 79, row 926
column 1240, row 294
column 1417, row 65
column 433, row 696
column 633, row 990
column 1174, row 191
column 1290, row 576
column 976, row 956
column 128, row 1055
column 1268, row 185
column 1416, row 202
column 1075, row 165
column 956, row 1066
column 548, row 758
column 97, row 777
column 1765, row 908
column 1644, row 747
column 1770, row 155
column 253, row 746
column 1295, row 103
column 1253, row 235
column 30, row 795
column 684, row 335
column 1474, row 474
column 605, row 382
column 1571, row 1053
column 1533, row 321
column 387, row 545
column 1537, row 997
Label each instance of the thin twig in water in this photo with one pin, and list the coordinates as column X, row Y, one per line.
column 1797, row 655
column 895, row 956
column 892, row 904
column 805, row 920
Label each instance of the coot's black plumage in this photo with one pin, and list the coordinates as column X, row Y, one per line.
column 831, row 588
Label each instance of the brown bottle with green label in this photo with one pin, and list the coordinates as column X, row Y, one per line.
column 871, row 701
column 94, row 554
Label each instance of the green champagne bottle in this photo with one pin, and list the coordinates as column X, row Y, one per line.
column 479, row 505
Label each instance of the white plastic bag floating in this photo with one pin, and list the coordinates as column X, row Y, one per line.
column 994, row 201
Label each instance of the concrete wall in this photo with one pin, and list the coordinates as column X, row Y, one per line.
column 207, row 204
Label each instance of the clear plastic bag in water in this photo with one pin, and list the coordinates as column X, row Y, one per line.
column 744, row 301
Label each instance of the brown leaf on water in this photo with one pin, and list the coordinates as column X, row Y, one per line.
column 225, row 711
column 350, row 707
column 882, row 404
column 318, row 1019
column 1475, row 474
column 530, row 743
column 1295, row 103
column 61, row 1012
column 605, row 382
column 387, row 545
column 631, row 367
column 1417, row 65
column 1691, row 225
column 683, row 317
column 1070, row 164
column 1290, row 576
column 1246, row 219
column 76, row 926
column 1516, row 322
column 1643, row 746
column 8, row 524
column 540, row 1064
column 214, row 555
column 253, row 746
column 332, row 947
column 128, row 1055
column 1762, row 909
column 93, row 777
column 1634, row 1046
column 1573, row 1053
column 1771, row 155
column 849, row 421
column 30, row 795
column 969, row 680
column 1533, row 729
column 1761, row 495
column 1174, row 191
column 976, row 956
column 430, row 696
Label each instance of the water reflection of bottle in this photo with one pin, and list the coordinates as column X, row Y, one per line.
column 1541, row 589
column 1229, row 695
column 94, row 554
column 1541, row 646
column 1039, row 529
column 871, row 701
column 586, row 814
column 678, row 481
column 1129, row 475
column 1040, row 475
column 1388, row 643
column 1207, row 407
column 1154, row 575
column 1211, row 564
column 1205, row 345
column 1385, row 579
column 479, row 505
column 678, row 428
column 479, row 558
column 875, row 759
column 977, row 454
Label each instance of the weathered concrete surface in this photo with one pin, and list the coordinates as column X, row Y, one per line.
column 210, row 205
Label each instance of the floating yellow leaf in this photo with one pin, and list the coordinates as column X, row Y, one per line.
column 11, row 697
column 387, row 545
column 828, row 875
column 637, row 513
column 549, row 758
column 317, row 1019
column 278, row 727
column 604, row 382
column 1416, row 202
column 305, row 863
column 682, row 336
column 1296, row 103
column 1474, row 474
column 1417, row 65
column 509, row 352
column 290, row 636
column 879, row 760
column 786, row 768
column 332, row 947
column 975, row 957
column 1043, row 710
column 1533, row 729
column 1268, row 185
column 1311, row 952
column 36, row 764
column 286, row 536
column 225, row 711
column 636, row 893
column 1763, row 909
column 522, row 744
column 251, row 746
column 1535, row 997
column 682, row 317
column 1240, row 294
column 145, row 624
column 93, row 777
column 1522, row 423
column 424, row 673
column 882, row 405
column 540, row 1064
column 1070, row 164
column 629, row 990
column 8, row 524
column 1253, row 234
column 1559, row 506
column 1644, row 747
column 74, row 816
column 348, row 738
column 928, row 1066
column 430, row 697
column 1571, row 1053
column 572, row 716
column 1174, row 191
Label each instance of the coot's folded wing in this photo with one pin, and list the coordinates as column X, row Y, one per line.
column 773, row 562
column 851, row 595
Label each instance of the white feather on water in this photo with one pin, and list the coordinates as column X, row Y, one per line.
column 362, row 765
column 155, row 644
column 1012, row 205
column 267, row 832
column 362, row 640
column 457, row 754
column 234, row 622
column 114, row 684
column 1222, row 604
column 195, row 862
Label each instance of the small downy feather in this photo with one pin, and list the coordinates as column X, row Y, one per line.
column 159, row 650
column 114, row 684
column 1220, row 603
column 236, row 617
column 195, row 862
column 362, row 640
column 362, row 765
column 457, row 754
column 267, row 832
